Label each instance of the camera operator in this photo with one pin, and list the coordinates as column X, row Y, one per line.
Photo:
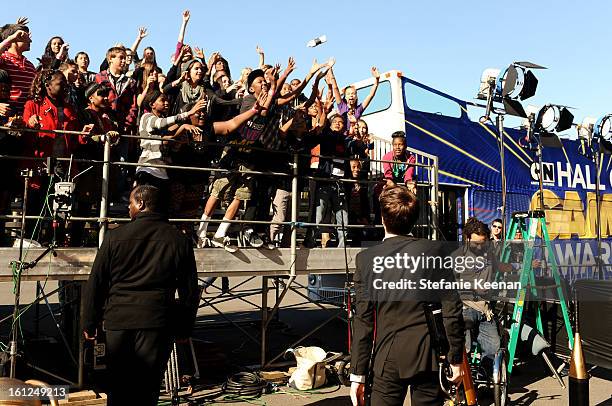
column 132, row 286
column 403, row 353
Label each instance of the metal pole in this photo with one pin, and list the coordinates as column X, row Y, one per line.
column 434, row 199
column 598, row 217
column 294, row 215
column 104, row 194
column 14, row 328
column 264, row 318
column 81, row 366
column 540, row 173
column 502, row 147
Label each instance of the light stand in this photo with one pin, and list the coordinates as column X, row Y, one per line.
column 27, row 174
column 598, row 215
column 490, row 92
column 589, row 151
column 500, row 127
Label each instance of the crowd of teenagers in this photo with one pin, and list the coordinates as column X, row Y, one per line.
column 196, row 114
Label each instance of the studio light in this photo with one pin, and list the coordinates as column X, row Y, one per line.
column 553, row 118
column 517, row 82
column 585, row 130
column 602, row 133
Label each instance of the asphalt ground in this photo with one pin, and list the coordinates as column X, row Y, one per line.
column 227, row 340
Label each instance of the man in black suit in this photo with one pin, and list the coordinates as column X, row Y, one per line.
column 132, row 288
column 402, row 349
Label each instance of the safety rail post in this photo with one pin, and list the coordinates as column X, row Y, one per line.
column 264, row 319
column 294, row 214
column 104, row 194
column 434, row 199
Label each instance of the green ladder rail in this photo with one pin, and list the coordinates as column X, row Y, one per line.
column 527, row 223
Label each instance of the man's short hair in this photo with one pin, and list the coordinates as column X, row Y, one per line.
column 9, row 29
column 399, row 134
column 64, row 66
column 114, row 51
column 149, row 195
column 399, row 208
column 94, row 87
column 475, row 226
column 497, row 221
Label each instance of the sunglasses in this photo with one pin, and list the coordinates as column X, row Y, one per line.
column 496, row 226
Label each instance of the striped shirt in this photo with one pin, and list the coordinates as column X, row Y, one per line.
column 154, row 127
column 22, row 74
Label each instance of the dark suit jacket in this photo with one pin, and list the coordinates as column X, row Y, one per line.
column 402, row 334
column 135, row 275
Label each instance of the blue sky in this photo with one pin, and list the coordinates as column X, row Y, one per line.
column 445, row 44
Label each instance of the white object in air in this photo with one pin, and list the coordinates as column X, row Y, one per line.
column 317, row 41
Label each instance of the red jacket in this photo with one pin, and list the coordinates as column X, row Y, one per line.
column 46, row 144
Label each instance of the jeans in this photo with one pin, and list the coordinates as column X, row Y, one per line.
column 332, row 198
column 488, row 336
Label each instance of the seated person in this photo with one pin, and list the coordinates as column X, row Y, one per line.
column 477, row 309
column 399, row 165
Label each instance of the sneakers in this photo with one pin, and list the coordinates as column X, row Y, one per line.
column 203, row 242
column 225, row 243
column 253, row 238
column 268, row 244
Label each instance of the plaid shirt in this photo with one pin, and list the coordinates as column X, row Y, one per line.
column 123, row 99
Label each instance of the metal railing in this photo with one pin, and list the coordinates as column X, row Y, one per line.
column 426, row 169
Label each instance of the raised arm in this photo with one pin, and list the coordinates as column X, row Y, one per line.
column 227, row 127
column 315, row 89
column 370, row 96
column 142, row 32
column 181, row 36
column 18, row 36
column 331, row 80
column 262, row 58
column 293, row 94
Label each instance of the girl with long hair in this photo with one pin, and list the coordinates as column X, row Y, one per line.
column 56, row 52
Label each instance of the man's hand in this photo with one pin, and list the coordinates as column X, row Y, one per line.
column 88, row 337
column 356, row 389
column 5, row 109
column 63, row 52
column 375, row 73
column 411, row 185
column 198, row 53
column 34, row 121
column 186, row 15
column 142, row 32
column 200, row 105
column 19, row 36
column 195, row 132
column 260, row 103
column 290, row 66
column 87, row 129
column 151, row 80
column 259, row 50
column 315, row 67
column 113, row 137
column 456, row 374
column 22, row 21
column 214, row 57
